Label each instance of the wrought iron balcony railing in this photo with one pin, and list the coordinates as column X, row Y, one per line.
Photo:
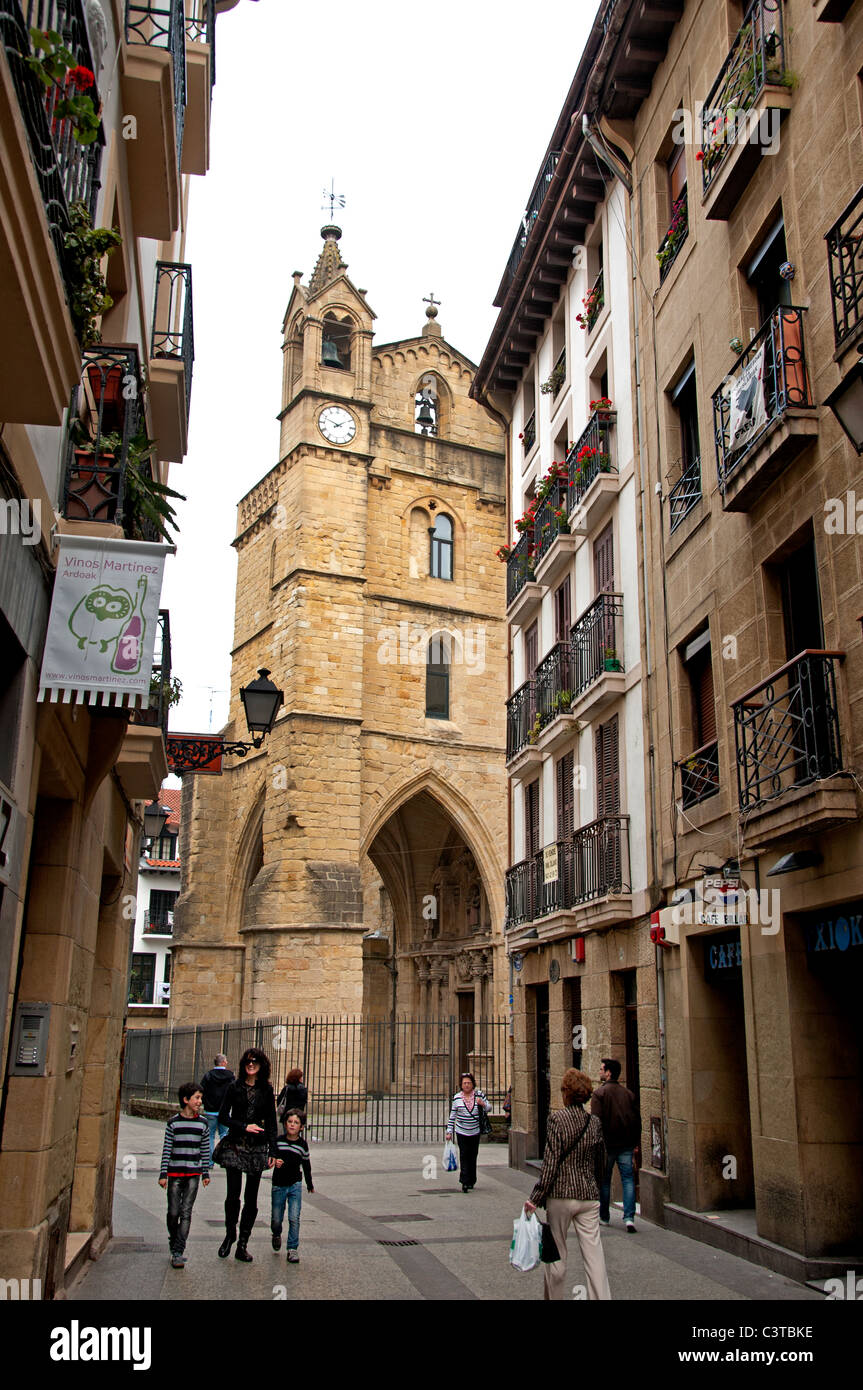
column 537, row 198
column 699, row 774
column 201, row 28
column 845, row 250
column 590, row 455
column 766, row 380
column 675, row 237
column 593, row 863
column 597, row 641
column 155, row 714
column 756, row 59
column 158, row 923
column 553, row 386
column 554, row 683
column 552, row 519
column 786, row 729
column 66, row 171
column 594, row 302
column 105, row 443
column 173, row 333
column 519, row 567
column 528, row 437
column 520, row 718
column 685, row 494
column 162, row 24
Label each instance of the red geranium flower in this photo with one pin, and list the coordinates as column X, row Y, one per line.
column 81, row 77
column 700, row 154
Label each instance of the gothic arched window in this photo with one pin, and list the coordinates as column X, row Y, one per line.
column 336, row 342
column 437, row 676
column 441, row 556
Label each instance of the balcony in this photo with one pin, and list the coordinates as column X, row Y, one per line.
column 555, row 383
column 107, row 467
column 153, row 73
column 158, row 923
column 593, row 304
column 596, row 641
column 555, row 722
column 43, row 169
column 522, row 592
column 528, row 434
column 172, row 353
column 200, row 76
column 699, row 775
column 685, row 494
column 588, row 874
column 742, row 114
column 554, row 546
column 531, row 213
column 522, row 731
column 155, row 714
column 845, row 250
column 763, row 410
column 789, row 752
column 673, row 241
column 592, row 473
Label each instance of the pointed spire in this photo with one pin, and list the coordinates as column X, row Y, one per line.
column 330, row 263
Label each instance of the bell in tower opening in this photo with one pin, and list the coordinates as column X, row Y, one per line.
column 336, row 343
column 426, row 408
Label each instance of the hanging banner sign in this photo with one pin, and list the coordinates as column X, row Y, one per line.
column 103, row 622
column 747, row 409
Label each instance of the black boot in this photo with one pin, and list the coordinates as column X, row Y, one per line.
column 232, row 1211
column 276, row 1236
column 246, row 1223
column 241, row 1253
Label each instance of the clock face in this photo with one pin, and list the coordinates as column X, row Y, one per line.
column 337, row 424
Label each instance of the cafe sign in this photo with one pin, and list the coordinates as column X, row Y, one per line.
column 723, row 957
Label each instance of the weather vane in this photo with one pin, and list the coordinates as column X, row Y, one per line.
column 335, row 200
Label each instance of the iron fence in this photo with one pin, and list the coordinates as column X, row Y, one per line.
column 105, row 416
column 590, row 455
column 529, row 433
column 163, row 26
column 592, row 863
column 531, row 213
column 173, row 332
column 519, row 566
column 756, row 58
column 845, row 250
column 201, row 28
column 551, row 519
column 369, row 1080
column 597, row 641
column 685, row 494
column 520, row 718
column 554, row 683
column 699, row 775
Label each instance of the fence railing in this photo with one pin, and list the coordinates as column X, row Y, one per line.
column 105, row 416
column 369, row 1080
column 173, row 330
column 519, row 567
column 163, row 25
column 201, row 28
column 592, row 863
column 552, row 519
column 553, row 679
column 786, row 729
column 520, row 718
column 685, row 494
column 537, row 198
column 529, row 433
column 845, row 251
column 66, row 171
column 756, row 58
column 699, row 774
column 597, row 641
column 675, row 237
column 590, row 455
column 158, row 923
column 766, row 380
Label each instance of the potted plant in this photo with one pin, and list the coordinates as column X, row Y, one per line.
column 611, row 660
column 84, row 246
column 145, row 499
column 602, row 407
column 562, row 701
column 555, row 381
column 535, row 730
column 591, row 304
column 67, row 84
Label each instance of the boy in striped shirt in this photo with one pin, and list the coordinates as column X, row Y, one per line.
column 185, row 1159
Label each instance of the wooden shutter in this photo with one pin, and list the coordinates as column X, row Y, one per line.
column 531, row 806
column 531, row 650
column 562, row 612
column 701, row 677
column 565, row 797
column 603, row 560
column 607, row 770
column 677, row 174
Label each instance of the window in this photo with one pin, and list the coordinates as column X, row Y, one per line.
column 531, row 820
column 165, row 847
column 440, row 560
column 678, row 219
column 686, row 491
column 437, row 677
column 565, row 796
column 607, row 770
column 142, row 979
column 700, row 771
column 336, row 342
column 562, row 612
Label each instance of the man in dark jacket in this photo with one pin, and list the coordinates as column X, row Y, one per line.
column 213, row 1088
column 618, row 1112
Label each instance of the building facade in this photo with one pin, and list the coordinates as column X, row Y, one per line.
column 364, row 873
column 88, row 382
column 158, row 891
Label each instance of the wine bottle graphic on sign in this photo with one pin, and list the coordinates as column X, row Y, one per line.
column 127, row 657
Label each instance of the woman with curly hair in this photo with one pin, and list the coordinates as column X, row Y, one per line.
column 573, row 1166
column 249, row 1111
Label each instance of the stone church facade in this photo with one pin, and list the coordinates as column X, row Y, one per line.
column 355, row 864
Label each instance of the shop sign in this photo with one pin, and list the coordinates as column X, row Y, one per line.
column 549, row 863
column 723, row 958
column 723, row 903
column 835, row 934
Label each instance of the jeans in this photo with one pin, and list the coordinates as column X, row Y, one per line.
column 293, row 1196
column 623, row 1159
column 212, row 1118
column 181, row 1198
column 468, row 1148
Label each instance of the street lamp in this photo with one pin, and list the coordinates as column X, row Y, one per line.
column 261, row 701
column 155, row 820
column 846, row 402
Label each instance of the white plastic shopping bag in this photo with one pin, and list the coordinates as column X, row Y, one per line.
column 526, row 1236
column 450, row 1157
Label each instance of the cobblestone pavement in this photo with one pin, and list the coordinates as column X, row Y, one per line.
column 386, row 1222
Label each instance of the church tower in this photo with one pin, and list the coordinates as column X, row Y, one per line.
column 355, row 864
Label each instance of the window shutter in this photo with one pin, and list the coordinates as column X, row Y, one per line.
column 565, row 798
column 677, row 174
column 603, row 560
column 562, row 611
column 531, row 649
column 705, row 705
column 607, row 770
column 531, row 797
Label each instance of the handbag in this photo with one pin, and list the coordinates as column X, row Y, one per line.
column 484, row 1121
column 548, row 1251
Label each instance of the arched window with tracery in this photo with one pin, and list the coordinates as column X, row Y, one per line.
column 441, row 555
column 438, row 661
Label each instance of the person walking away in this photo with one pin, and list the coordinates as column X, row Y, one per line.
column 464, row 1123
column 617, row 1110
column 249, row 1111
column 293, row 1095
column 185, row 1161
column 291, row 1154
column 568, row 1186
column 214, row 1084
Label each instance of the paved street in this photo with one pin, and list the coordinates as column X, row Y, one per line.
column 371, row 1194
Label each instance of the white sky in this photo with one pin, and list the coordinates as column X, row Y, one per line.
column 433, row 120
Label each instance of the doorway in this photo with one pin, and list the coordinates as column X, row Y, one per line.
column 465, row 1029
column 543, row 1065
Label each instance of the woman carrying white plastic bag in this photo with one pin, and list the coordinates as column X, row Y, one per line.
column 450, row 1157
column 526, row 1237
